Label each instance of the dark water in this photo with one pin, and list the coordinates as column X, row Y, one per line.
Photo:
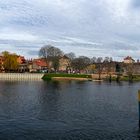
column 68, row 111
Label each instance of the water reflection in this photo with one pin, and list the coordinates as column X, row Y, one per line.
column 68, row 110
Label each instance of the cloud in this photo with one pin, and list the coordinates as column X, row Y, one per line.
column 136, row 3
column 92, row 28
column 17, row 36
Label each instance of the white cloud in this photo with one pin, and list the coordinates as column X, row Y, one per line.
column 17, row 36
column 92, row 28
column 119, row 9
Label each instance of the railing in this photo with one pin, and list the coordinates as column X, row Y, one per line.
column 21, row 76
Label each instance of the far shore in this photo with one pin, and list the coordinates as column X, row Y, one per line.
column 69, row 78
column 90, row 77
column 64, row 76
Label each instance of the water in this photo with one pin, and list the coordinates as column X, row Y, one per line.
column 68, row 110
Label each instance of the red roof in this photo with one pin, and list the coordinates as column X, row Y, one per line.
column 21, row 59
column 40, row 62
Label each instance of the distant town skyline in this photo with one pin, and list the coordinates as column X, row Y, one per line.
column 92, row 28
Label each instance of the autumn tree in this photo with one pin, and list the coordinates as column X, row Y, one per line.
column 91, row 68
column 52, row 55
column 10, row 62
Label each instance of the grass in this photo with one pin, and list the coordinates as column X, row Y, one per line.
column 49, row 76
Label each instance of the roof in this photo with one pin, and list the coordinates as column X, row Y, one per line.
column 128, row 58
column 40, row 62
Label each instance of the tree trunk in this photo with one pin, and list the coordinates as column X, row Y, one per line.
column 110, row 78
column 118, row 78
column 99, row 76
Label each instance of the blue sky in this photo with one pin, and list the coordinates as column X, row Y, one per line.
column 86, row 27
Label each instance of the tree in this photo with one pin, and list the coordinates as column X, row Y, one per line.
column 10, row 61
column 118, row 71
column 80, row 63
column 70, row 55
column 130, row 70
column 99, row 66
column 93, row 60
column 91, row 68
column 51, row 54
column 108, row 66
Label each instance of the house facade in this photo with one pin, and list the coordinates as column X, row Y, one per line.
column 38, row 65
column 64, row 63
column 128, row 60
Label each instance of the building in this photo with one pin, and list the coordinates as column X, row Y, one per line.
column 128, row 60
column 39, row 65
column 21, row 59
column 1, row 63
column 64, row 63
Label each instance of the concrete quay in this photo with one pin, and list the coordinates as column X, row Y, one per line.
column 21, row 76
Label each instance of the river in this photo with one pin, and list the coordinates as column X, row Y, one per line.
column 68, row 110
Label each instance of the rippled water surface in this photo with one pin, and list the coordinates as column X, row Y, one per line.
column 68, row 110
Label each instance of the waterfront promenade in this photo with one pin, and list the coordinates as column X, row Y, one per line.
column 38, row 76
column 21, row 76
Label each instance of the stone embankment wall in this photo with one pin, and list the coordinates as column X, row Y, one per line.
column 96, row 76
column 21, row 76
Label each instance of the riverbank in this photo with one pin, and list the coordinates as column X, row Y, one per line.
column 89, row 77
column 52, row 76
column 135, row 78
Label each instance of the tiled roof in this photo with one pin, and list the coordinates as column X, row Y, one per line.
column 40, row 62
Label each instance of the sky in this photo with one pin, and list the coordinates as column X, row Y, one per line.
column 94, row 28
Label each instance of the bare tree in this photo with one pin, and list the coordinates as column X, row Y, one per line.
column 80, row 63
column 106, row 60
column 93, row 60
column 118, row 72
column 130, row 71
column 71, row 55
column 51, row 54
column 108, row 64
column 99, row 66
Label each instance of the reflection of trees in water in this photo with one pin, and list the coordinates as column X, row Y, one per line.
column 56, row 95
column 51, row 97
column 55, row 85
